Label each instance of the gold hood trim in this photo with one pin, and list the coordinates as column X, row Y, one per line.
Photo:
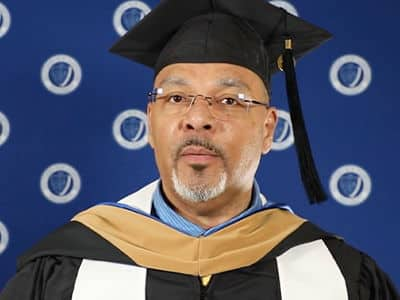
column 152, row 244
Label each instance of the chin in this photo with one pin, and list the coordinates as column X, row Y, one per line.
column 200, row 191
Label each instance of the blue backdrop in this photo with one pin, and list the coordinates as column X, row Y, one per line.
column 72, row 130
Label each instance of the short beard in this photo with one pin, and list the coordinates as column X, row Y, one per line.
column 199, row 193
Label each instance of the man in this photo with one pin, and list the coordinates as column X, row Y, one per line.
column 204, row 231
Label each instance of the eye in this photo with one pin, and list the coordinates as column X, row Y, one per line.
column 176, row 98
column 229, row 101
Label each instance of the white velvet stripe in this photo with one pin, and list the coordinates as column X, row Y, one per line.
column 309, row 272
column 99, row 280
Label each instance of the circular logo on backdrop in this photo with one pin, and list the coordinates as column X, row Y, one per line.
column 5, row 20
column 60, row 183
column 4, row 238
column 61, row 74
column 4, row 128
column 350, row 75
column 128, row 14
column 350, row 185
column 286, row 6
column 130, row 129
column 283, row 136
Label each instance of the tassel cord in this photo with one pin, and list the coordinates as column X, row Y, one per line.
column 309, row 174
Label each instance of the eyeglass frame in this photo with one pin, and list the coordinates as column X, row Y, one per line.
column 152, row 97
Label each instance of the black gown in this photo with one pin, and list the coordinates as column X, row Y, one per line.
column 50, row 270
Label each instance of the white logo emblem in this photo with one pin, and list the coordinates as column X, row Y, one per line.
column 130, row 129
column 5, row 20
column 350, row 75
column 4, row 128
column 350, row 185
column 128, row 14
column 286, row 6
column 4, row 238
column 283, row 136
column 60, row 183
column 61, row 74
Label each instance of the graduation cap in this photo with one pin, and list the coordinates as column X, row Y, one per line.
column 249, row 33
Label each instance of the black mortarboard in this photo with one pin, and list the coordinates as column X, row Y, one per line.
column 249, row 33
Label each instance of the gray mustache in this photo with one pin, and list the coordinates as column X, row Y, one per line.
column 201, row 143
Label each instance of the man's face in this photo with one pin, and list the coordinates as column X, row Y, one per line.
column 199, row 156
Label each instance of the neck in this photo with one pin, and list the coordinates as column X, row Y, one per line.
column 213, row 212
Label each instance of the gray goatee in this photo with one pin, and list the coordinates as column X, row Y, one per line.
column 198, row 192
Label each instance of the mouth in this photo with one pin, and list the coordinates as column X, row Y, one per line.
column 198, row 155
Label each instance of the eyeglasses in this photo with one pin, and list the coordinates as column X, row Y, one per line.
column 224, row 107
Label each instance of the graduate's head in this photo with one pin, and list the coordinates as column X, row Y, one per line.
column 209, row 125
column 210, row 117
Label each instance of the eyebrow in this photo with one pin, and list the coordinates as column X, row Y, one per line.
column 174, row 81
column 223, row 82
column 233, row 82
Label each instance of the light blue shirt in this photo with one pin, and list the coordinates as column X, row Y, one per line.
column 168, row 216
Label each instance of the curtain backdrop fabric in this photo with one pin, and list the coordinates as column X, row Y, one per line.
column 73, row 125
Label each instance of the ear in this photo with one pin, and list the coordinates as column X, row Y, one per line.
column 270, row 122
column 150, row 137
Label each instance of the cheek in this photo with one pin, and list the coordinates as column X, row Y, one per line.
column 245, row 143
column 252, row 146
column 164, row 138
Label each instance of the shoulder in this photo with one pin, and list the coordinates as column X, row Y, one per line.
column 364, row 279
column 48, row 277
column 74, row 240
column 49, row 269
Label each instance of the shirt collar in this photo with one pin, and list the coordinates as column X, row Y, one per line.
column 167, row 215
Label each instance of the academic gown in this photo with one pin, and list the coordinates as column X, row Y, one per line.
column 121, row 252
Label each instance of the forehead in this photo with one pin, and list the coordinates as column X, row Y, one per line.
column 207, row 74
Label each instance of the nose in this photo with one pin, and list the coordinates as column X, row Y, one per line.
column 198, row 117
